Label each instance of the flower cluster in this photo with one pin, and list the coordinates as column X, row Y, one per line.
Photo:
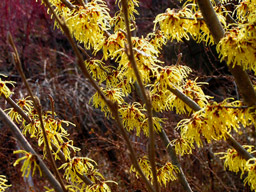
column 97, row 70
column 118, row 21
column 3, row 185
column 113, row 44
column 115, row 95
column 29, row 159
column 134, row 118
column 57, row 135
column 145, row 56
column 87, row 23
column 213, row 122
column 179, row 24
column 165, row 173
column 4, row 89
column 193, row 90
column 234, row 162
column 238, row 45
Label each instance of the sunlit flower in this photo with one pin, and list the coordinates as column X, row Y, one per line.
column 172, row 25
column 191, row 89
column 233, row 161
column 171, row 75
column 251, row 177
column 132, row 116
column 87, row 23
column 29, row 159
column 156, row 125
column 119, row 21
column 3, row 185
column 182, row 146
column 115, row 95
column 157, row 39
column 65, row 148
column 237, row 47
column 112, row 44
column 165, row 174
column 4, row 89
column 76, row 165
column 98, row 70
column 145, row 167
column 99, row 187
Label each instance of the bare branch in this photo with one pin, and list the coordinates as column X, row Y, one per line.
column 26, row 146
column 145, row 97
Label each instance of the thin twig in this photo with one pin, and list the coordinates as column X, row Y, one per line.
column 191, row 18
column 68, row 4
column 112, row 106
column 193, row 105
column 55, row 148
column 52, row 105
column 26, row 146
column 181, row 176
column 241, row 77
column 38, row 107
column 146, row 97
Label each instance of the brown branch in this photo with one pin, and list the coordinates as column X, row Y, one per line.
column 112, row 106
column 181, row 176
column 38, row 107
column 145, row 97
column 60, row 153
column 26, row 146
column 68, row 4
column 193, row 105
column 241, row 77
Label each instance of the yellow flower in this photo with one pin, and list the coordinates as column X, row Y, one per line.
column 251, row 177
column 165, row 173
column 4, row 88
column 99, row 187
column 159, row 97
column 98, row 70
column 3, row 185
column 233, row 161
column 145, row 56
column 191, row 89
column 14, row 115
column 26, row 104
column 86, row 23
column 132, row 116
column 171, row 75
column 114, row 94
column 29, row 158
column 79, row 165
column 145, row 167
column 157, row 39
column 171, row 25
column 156, row 124
column 237, row 47
column 64, row 147
column 182, row 146
column 118, row 21
column 32, row 128
column 112, row 44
